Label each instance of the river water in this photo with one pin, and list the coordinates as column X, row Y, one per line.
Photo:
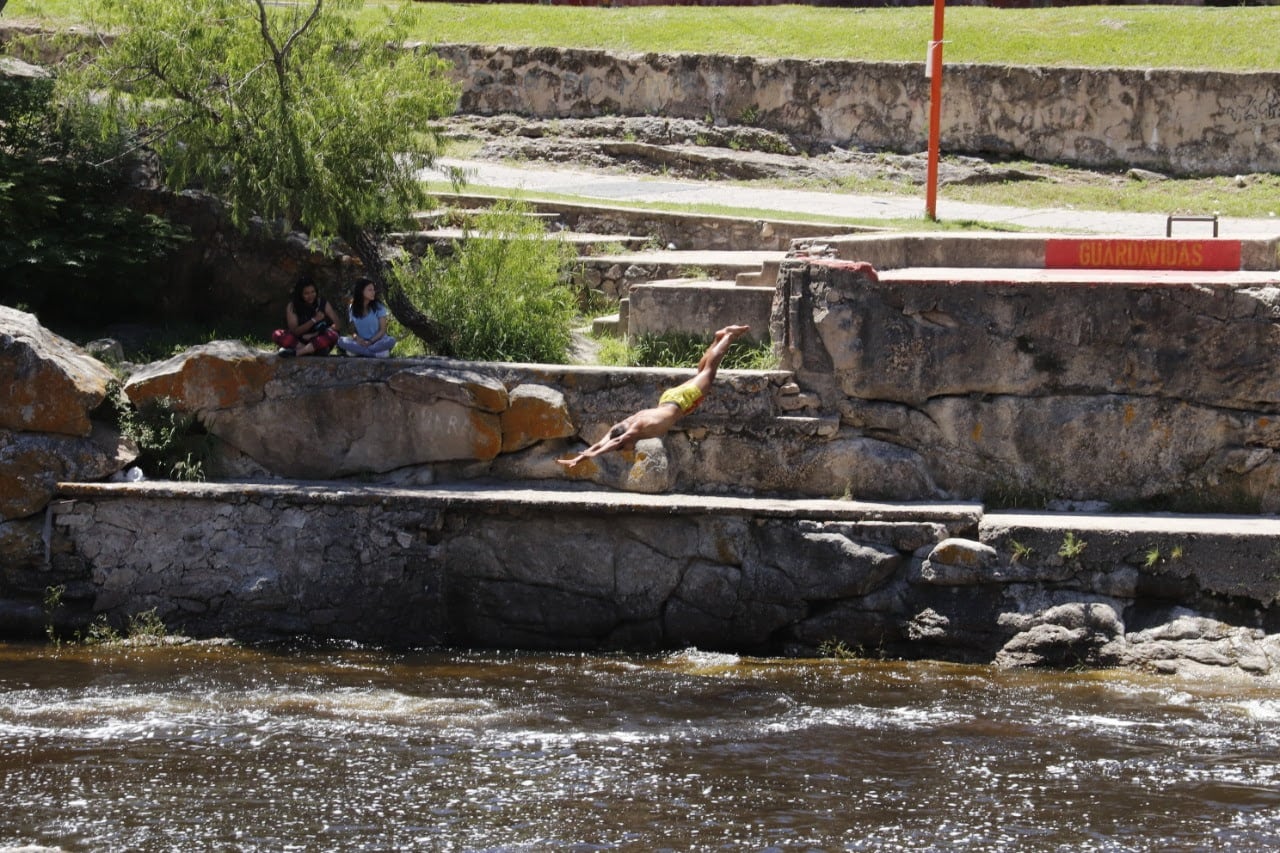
column 234, row 749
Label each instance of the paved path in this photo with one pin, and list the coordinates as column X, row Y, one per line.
column 541, row 178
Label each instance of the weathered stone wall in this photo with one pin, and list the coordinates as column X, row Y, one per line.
column 539, row 569
column 1176, row 121
column 1026, row 390
column 431, row 420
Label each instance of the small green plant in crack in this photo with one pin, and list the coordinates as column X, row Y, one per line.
column 1177, row 552
column 694, row 272
column 52, row 601
column 838, row 650
column 146, row 625
column 1020, row 551
column 170, row 443
column 1153, row 557
column 98, row 633
column 1072, row 546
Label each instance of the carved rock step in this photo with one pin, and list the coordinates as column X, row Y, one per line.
column 767, row 276
column 697, row 307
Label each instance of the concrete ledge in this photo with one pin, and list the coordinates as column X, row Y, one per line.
column 958, row 517
column 892, row 251
column 684, row 230
column 1231, row 556
column 996, row 276
column 693, row 307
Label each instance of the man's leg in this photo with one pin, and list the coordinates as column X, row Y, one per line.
column 709, row 364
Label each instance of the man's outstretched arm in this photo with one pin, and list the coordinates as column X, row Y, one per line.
column 612, row 441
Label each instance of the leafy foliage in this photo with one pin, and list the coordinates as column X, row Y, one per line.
column 170, row 443
column 501, row 295
column 287, row 111
column 70, row 249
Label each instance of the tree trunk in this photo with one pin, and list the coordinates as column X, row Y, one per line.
column 402, row 308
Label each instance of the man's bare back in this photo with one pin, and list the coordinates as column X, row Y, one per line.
column 657, row 421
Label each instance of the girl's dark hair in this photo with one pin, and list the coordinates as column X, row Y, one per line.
column 301, row 308
column 358, row 308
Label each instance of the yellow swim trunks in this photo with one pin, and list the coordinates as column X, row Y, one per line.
column 687, row 397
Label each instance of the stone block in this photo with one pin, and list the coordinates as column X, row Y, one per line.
column 32, row 464
column 216, row 375
column 50, row 384
column 534, row 413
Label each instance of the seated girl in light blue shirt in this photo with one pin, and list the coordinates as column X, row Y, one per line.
column 369, row 323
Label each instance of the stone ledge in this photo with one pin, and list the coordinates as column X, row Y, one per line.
column 957, row 517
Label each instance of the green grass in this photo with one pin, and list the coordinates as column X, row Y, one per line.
column 681, row 350
column 1258, row 197
column 1230, row 39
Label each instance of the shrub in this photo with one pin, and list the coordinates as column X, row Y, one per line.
column 500, row 296
column 171, row 443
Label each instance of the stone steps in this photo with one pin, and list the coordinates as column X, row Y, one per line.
column 684, row 290
column 697, row 307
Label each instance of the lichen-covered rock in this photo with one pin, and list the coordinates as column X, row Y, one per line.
column 49, row 384
column 32, row 465
column 647, row 469
column 465, row 387
column 322, row 418
column 958, row 562
column 216, row 375
column 534, row 413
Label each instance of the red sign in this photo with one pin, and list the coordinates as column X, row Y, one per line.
column 1135, row 254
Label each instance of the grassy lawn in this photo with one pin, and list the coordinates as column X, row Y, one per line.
column 1220, row 38
column 1231, row 39
column 1255, row 196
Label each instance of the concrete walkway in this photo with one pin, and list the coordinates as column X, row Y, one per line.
column 606, row 187
column 1257, row 535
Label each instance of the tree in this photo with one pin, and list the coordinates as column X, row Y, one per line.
column 71, row 249
column 286, row 111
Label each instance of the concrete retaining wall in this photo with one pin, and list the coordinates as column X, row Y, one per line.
column 546, row 569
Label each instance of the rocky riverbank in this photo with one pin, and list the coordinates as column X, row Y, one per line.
column 431, row 555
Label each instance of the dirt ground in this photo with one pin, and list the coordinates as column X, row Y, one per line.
column 685, row 148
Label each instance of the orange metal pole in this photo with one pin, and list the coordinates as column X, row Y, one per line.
column 934, row 71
